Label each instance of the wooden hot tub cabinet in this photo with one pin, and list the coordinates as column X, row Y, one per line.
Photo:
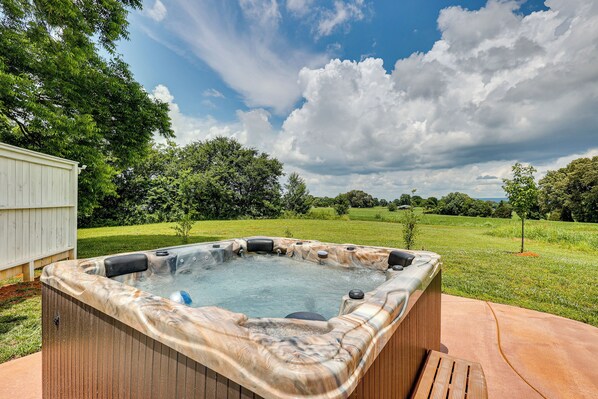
column 88, row 354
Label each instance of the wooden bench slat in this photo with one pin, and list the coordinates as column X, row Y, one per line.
column 459, row 381
column 441, row 382
column 445, row 376
column 427, row 377
column 477, row 383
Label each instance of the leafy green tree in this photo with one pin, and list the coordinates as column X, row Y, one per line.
column 360, row 199
column 383, row 202
column 65, row 92
column 213, row 179
column 341, row 204
column 582, row 189
column 417, row 200
column 392, row 206
column 454, row 204
column 296, row 197
column 522, row 192
column 571, row 193
column 553, row 195
column 431, row 203
column 226, row 180
column 405, row 199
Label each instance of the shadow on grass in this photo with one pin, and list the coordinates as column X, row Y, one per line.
column 9, row 322
column 15, row 293
column 98, row 246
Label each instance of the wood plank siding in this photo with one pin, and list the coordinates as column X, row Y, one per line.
column 88, row 354
column 38, row 209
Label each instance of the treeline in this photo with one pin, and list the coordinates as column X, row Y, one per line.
column 222, row 179
column 361, row 199
column 456, row 204
column 566, row 194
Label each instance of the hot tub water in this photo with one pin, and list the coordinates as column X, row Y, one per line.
column 267, row 286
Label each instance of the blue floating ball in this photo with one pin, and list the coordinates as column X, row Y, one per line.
column 181, row 297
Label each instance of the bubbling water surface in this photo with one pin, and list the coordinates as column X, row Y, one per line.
column 267, row 286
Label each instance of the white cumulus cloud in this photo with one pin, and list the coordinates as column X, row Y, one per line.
column 497, row 86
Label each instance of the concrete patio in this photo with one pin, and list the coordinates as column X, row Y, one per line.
column 524, row 353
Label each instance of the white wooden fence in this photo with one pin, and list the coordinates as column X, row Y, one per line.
column 38, row 210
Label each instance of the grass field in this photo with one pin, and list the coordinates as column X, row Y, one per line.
column 478, row 255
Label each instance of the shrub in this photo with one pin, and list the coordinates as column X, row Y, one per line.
column 183, row 227
column 410, row 221
column 341, row 204
column 392, row 207
column 341, row 208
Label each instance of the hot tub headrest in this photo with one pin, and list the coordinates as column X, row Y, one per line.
column 125, row 264
column 260, row 245
column 400, row 258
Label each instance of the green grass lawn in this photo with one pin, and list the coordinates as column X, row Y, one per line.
column 478, row 257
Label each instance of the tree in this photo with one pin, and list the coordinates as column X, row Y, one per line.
column 213, row 179
column 522, row 193
column 416, row 200
column 360, row 199
column 392, row 206
column 552, row 195
column 405, row 199
column 296, row 197
column 582, row 189
column 341, row 204
column 65, row 92
column 383, row 202
column 454, row 204
column 571, row 193
column 431, row 203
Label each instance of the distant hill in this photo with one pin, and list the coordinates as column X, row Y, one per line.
column 494, row 199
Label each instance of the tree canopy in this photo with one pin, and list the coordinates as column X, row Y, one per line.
column 360, row 199
column 212, row 179
column 60, row 96
column 571, row 193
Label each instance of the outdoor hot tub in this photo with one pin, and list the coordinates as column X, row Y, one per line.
column 242, row 318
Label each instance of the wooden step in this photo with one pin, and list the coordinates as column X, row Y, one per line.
column 447, row 377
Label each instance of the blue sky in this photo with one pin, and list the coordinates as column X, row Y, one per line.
column 437, row 87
